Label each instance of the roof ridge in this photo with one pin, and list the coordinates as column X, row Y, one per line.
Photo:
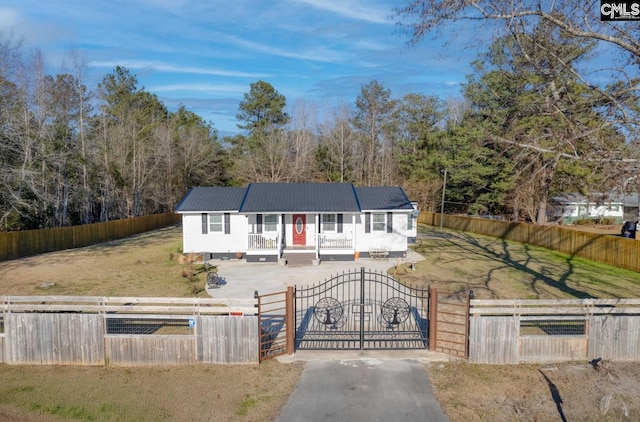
column 244, row 197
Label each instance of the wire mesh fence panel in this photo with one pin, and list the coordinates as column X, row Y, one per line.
column 150, row 326
column 553, row 327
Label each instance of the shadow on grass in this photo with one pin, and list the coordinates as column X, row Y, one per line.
column 500, row 251
column 555, row 395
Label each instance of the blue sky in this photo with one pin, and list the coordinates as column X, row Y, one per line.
column 205, row 54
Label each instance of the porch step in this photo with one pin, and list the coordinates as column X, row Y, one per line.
column 299, row 259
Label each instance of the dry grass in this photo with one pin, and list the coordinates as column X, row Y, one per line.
column 149, row 264
column 498, row 269
column 569, row 391
column 183, row 393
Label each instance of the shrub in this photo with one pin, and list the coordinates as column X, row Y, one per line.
column 584, row 222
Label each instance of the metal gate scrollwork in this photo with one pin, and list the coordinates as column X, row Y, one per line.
column 361, row 310
column 395, row 311
column 328, row 311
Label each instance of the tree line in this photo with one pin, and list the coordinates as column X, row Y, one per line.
column 531, row 124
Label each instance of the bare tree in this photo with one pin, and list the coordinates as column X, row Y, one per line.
column 372, row 120
column 579, row 18
column 337, row 146
column 301, row 137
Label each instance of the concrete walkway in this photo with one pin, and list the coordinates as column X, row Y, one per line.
column 363, row 390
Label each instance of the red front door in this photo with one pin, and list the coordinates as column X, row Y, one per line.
column 299, row 229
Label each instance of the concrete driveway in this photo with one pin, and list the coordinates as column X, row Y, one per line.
column 363, row 390
column 240, row 279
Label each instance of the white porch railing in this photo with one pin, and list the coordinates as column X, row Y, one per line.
column 334, row 241
column 264, row 241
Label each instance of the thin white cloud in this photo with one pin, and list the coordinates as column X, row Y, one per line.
column 316, row 54
column 200, row 88
column 169, row 68
column 354, row 10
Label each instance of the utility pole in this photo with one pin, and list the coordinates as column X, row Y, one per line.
column 444, row 187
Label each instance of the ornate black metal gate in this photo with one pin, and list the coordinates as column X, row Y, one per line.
column 361, row 310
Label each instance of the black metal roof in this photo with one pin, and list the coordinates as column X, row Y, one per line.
column 294, row 197
column 300, row 197
column 212, row 199
column 383, row 198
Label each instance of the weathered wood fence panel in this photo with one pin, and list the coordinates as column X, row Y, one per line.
column 54, row 339
column 612, row 250
column 528, row 331
column 493, row 340
column 2, row 348
column 20, row 244
column 141, row 350
column 230, row 339
column 547, row 348
column 614, row 337
column 76, row 330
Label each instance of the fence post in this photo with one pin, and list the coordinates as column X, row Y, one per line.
column 470, row 296
column 290, row 319
column 433, row 317
column 362, row 308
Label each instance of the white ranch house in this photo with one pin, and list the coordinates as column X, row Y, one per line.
column 569, row 208
column 312, row 222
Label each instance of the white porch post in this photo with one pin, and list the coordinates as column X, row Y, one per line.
column 317, row 236
column 281, row 235
column 353, row 232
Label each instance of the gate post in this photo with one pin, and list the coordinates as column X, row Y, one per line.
column 361, row 308
column 290, row 319
column 433, row 317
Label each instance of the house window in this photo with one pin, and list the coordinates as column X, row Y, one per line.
column 409, row 221
column 270, row 223
column 378, row 222
column 215, row 223
column 328, row 223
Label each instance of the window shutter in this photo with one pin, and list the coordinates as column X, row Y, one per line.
column 389, row 222
column 340, row 223
column 259, row 223
column 205, row 223
column 227, row 223
column 367, row 222
column 319, row 223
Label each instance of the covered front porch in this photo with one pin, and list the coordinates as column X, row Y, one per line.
column 314, row 236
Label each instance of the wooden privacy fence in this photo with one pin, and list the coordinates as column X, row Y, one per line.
column 524, row 331
column 77, row 330
column 612, row 250
column 20, row 244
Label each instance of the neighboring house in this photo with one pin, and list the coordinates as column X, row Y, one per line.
column 631, row 206
column 275, row 222
column 569, row 208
